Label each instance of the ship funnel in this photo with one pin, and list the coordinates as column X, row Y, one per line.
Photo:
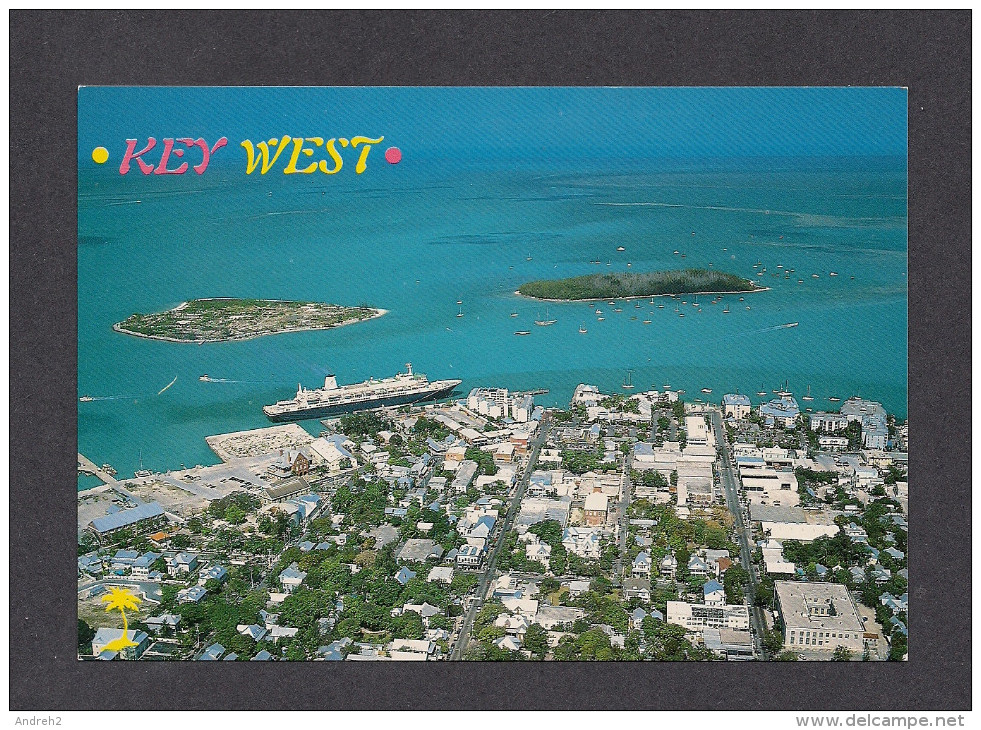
column 408, row 366
column 330, row 382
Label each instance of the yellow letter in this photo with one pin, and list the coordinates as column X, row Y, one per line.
column 297, row 148
column 364, row 153
column 253, row 162
column 335, row 155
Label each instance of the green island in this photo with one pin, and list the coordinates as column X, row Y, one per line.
column 628, row 284
column 223, row 320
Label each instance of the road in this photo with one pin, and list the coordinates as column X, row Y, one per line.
column 618, row 567
column 743, row 531
column 483, row 585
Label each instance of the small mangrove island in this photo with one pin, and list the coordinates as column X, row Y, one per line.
column 224, row 320
column 628, row 284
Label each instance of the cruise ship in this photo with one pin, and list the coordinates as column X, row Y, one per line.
column 332, row 399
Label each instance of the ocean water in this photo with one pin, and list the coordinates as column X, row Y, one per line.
column 414, row 238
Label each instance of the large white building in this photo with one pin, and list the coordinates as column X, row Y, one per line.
column 698, row 616
column 697, row 430
column 818, row 617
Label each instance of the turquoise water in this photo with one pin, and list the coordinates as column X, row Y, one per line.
column 415, row 239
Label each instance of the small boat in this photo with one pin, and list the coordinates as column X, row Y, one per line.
column 618, row 309
column 599, row 311
column 660, row 306
column 514, row 313
column 621, row 248
column 460, row 313
column 647, row 321
column 779, row 266
column 600, row 319
column 675, row 253
column 682, row 255
column 800, row 281
column 633, row 317
column 107, row 468
column 748, row 307
column 637, row 305
column 628, row 383
column 528, row 257
column 706, row 390
column 726, row 310
column 612, row 304
column 681, row 314
column 742, row 299
column 205, row 379
column 834, row 399
column 143, row 473
column 652, row 300
column 582, row 329
column 808, row 396
column 459, row 301
column 523, row 332
column 86, row 399
column 833, row 273
column 815, row 276
column 761, row 392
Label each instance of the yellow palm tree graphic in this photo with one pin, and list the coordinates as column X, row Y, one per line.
column 120, row 599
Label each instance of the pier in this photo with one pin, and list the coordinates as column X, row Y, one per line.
column 87, row 466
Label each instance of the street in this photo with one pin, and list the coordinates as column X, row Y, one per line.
column 487, row 576
column 743, row 531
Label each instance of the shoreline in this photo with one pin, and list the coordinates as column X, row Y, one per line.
column 638, row 296
column 117, row 327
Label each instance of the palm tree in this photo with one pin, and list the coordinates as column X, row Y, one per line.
column 120, row 599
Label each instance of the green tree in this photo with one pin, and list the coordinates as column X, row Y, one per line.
column 85, row 635
column 841, row 654
column 536, row 641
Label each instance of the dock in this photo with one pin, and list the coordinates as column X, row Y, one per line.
column 87, row 466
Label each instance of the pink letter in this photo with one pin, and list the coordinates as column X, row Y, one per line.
column 165, row 157
column 205, row 152
column 130, row 146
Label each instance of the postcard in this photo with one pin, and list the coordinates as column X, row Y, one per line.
column 492, row 374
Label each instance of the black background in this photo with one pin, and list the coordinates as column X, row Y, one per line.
column 52, row 53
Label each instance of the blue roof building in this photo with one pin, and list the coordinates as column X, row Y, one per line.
column 125, row 518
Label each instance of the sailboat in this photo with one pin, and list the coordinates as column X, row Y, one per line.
column 141, row 472
column 514, row 313
column 582, row 329
column 547, row 321
column 726, row 309
column 460, row 313
column 628, row 383
column 762, row 391
column 808, row 396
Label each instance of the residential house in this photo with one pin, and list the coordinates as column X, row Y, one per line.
column 291, row 578
column 641, row 565
column 105, row 636
column 637, row 588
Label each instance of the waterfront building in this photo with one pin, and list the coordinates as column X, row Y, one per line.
column 144, row 516
column 827, row 422
column 781, row 411
column 735, row 405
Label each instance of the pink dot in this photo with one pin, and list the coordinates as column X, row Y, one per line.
column 393, row 155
